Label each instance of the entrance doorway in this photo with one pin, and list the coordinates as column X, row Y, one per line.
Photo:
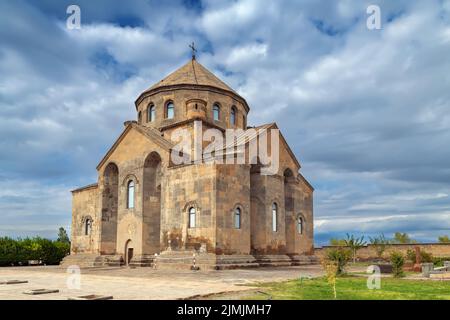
column 128, row 252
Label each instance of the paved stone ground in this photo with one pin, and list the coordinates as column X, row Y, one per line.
column 141, row 283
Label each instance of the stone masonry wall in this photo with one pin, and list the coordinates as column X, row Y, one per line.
column 368, row 252
column 85, row 205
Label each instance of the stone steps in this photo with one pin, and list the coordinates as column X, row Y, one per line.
column 185, row 260
column 279, row 260
column 299, row 260
column 84, row 260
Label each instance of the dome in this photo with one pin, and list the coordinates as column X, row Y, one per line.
column 191, row 74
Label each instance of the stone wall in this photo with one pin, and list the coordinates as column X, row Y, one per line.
column 232, row 192
column 188, row 187
column 85, row 206
column 369, row 252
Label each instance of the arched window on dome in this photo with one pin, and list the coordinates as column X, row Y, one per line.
column 139, row 117
column 216, row 112
column 233, row 116
column 170, row 110
column 244, row 121
column 151, row 113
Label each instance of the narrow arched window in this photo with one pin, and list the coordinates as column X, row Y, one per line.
column 192, row 217
column 87, row 227
column 151, row 113
column 237, row 218
column 274, row 217
column 233, row 116
column 300, row 225
column 244, row 121
column 139, row 117
column 216, row 112
column 170, row 110
column 130, row 195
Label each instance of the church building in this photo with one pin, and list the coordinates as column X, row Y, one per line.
column 148, row 210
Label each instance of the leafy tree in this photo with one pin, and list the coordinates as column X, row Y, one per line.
column 354, row 244
column 380, row 243
column 444, row 239
column 20, row 251
column 397, row 261
column 62, row 236
column 337, row 242
column 339, row 257
column 402, row 238
column 331, row 271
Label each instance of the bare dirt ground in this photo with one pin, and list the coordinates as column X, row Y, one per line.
column 143, row 283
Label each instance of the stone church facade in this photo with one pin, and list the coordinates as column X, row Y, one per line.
column 145, row 210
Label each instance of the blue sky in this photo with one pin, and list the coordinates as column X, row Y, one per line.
column 367, row 112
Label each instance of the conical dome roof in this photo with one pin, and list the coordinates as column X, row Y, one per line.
column 192, row 73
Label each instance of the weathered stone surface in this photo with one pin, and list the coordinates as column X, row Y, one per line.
column 164, row 193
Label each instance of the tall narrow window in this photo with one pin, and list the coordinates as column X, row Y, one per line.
column 170, row 110
column 237, row 218
column 139, row 117
column 151, row 113
column 300, row 225
column 216, row 112
column 192, row 217
column 233, row 116
column 274, row 217
column 88, row 227
column 244, row 122
column 130, row 195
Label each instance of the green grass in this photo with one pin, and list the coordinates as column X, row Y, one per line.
column 354, row 288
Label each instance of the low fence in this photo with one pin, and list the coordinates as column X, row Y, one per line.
column 438, row 250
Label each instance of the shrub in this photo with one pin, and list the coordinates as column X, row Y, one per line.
column 439, row 261
column 339, row 257
column 424, row 256
column 380, row 243
column 397, row 261
column 20, row 251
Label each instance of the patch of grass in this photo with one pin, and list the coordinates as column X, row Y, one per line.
column 354, row 288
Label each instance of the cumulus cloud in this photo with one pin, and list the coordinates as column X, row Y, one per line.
column 365, row 111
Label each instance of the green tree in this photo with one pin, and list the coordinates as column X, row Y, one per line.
column 444, row 239
column 354, row 244
column 380, row 243
column 397, row 261
column 62, row 236
column 337, row 242
column 402, row 238
column 339, row 257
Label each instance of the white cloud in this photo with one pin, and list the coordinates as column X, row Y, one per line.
column 365, row 111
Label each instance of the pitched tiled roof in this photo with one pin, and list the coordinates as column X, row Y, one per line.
column 192, row 73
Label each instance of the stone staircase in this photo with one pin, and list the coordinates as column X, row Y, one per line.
column 184, row 259
column 87, row 260
column 81, row 260
column 273, row 260
column 235, row 262
column 301, row 260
